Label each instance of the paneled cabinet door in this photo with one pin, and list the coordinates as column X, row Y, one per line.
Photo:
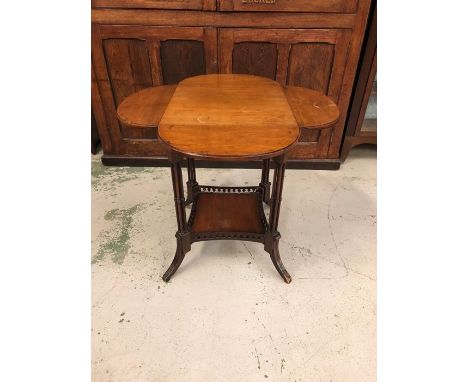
column 312, row 58
column 130, row 58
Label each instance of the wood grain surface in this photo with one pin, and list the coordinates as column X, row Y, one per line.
column 143, row 43
column 218, row 212
column 312, row 109
column 345, row 6
column 229, row 117
column 146, row 107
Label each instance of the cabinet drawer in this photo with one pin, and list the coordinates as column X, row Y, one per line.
column 156, row 4
column 343, row 6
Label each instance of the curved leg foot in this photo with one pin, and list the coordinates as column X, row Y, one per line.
column 276, row 259
column 178, row 258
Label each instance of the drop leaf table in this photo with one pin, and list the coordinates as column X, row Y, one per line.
column 228, row 117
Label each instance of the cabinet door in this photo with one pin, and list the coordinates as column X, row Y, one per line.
column 335, row 6
column 312, row 58
column 130, row 58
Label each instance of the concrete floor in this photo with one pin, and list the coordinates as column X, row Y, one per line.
column 226, row 315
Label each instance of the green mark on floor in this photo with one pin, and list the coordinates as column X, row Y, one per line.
column 111, row 176
column 117, row 244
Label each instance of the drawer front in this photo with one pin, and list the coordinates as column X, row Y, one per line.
column 156, row 4
column 336, row 6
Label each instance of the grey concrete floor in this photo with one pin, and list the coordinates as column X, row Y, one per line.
column 226, row 315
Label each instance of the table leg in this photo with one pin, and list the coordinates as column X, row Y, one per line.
column 265, row 183
column 192, row 183
column 273, row 236
column 182, row 235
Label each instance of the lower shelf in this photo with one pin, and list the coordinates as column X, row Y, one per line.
column 227, row 215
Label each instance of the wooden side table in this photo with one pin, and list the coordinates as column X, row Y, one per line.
column 228, row 118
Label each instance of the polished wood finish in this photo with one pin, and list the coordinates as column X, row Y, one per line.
column 272, row 240
column 355, row 128
column 265, row 183
column 243, row 106
column 228, row 212
column 144, row 43
column 157, row 4
column 235, row 117
column 222, row 19
column 146, row 107
column 183, row 234
column 192, row 184
column 226, row 117
column 284, row 55
column 312, row 109
column 344, row 6
column 127, row 59
column 161, row 161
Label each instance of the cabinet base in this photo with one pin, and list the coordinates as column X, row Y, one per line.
column 298, row 164
column 351, row 142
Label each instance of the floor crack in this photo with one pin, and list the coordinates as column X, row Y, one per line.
column 331, row 230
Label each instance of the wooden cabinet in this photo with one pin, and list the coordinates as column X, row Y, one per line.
column 314, row 44
column 311, row 58
column 344, row 6
column 130, row 58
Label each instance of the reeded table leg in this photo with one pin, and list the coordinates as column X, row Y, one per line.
column 192, row 183
column 265, row 183
column 273, row 236
column 182, row 235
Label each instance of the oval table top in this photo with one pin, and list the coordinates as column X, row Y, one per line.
column 311, row 109
column 228, row 117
